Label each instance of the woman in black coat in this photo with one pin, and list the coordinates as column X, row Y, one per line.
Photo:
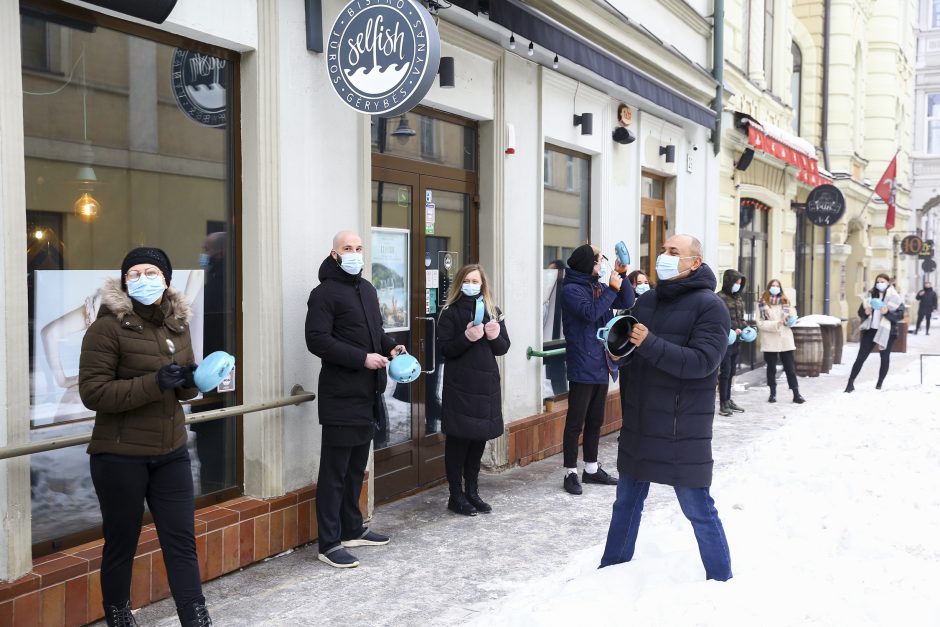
column 472, row 401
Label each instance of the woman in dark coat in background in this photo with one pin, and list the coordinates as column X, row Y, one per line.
column 472, row 399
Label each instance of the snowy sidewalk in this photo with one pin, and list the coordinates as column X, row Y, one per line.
column 831, row 508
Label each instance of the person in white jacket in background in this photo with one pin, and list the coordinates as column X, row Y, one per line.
column 775, row 314
column 880, row 311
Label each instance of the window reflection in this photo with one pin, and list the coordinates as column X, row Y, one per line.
column 141, row 128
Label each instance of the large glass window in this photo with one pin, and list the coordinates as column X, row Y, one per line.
column 935, row 13
column 565, row 226
column 933, row 124
column 128, row 144
column 796, row 85
column 753, row 223
column 769, row 44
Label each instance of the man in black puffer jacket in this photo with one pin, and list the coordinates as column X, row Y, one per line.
column 344, row 329
column 666, row 436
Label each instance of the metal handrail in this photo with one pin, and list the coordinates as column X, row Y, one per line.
column 531, row 352
column 297, row 396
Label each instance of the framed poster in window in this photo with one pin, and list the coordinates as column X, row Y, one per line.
column 390, row 276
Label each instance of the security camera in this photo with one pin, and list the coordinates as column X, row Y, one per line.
column 694, row 146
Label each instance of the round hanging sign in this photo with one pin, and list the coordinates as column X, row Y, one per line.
column 825, row 205
column 383, row 55
column 199, row 84
column 928, row 265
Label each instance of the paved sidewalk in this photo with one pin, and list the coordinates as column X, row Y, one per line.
column 439, row 565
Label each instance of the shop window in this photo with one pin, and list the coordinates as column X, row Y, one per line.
column 933, row 124
column 796, row 86
column 102, row 177
column 415, row 135
column 565, row 226
column 753, row 222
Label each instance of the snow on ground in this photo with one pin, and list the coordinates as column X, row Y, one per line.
column 834, row 519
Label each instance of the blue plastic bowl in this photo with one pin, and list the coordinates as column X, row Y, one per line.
column 404, row 368
column 749, row 334
column 213, row 370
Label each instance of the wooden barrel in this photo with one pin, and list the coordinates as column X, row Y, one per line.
column 809, row 350
column 829, row 340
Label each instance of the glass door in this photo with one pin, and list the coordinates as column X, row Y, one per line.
column 434, row 214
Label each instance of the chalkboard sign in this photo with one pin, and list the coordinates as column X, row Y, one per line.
column 825, row 205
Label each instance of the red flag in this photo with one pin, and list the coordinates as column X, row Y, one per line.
column 887, row 189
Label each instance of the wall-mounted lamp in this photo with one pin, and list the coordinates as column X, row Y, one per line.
column 446, row 72
column 404, row 130
column 745, row 159
column 623, row 135
column 531, row 49
column 669, row 151
column 586, row 122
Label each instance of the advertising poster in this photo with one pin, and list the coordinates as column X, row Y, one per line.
column 66, row 303
column 390, row 272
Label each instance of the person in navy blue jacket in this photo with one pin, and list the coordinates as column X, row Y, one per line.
column 666, row 438
column 586, row 301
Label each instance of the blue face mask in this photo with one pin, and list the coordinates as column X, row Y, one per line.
column 774, row 291
column 146, row 291
column 641, row 289
column 204, row 260
column 667, row 266
column 735, row 288
column 351, row 262
column 470, row 289
column 881, row 286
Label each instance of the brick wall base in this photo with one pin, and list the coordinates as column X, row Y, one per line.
column 64, row 589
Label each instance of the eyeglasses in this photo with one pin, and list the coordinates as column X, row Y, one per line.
column 151, row 273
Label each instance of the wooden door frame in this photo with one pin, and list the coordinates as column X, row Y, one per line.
column 655, row 208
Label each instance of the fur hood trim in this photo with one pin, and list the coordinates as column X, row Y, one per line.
column 120, row 304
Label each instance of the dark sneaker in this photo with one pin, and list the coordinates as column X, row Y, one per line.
column 572, row 485
column 338, row 557
column 368, row 538
column 735, row 407
column 600, row 477
column 724, row 410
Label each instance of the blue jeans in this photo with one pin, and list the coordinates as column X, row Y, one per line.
column 698, row 507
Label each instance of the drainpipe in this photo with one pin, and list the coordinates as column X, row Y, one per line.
column 718, row 69
column 824, row 140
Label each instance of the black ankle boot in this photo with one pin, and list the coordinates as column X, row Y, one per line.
column 773, row 395
column 850, row 387
column 459, row 504
column 194, row 615
column 119, row 615
column 473, row 495
column 799, row 400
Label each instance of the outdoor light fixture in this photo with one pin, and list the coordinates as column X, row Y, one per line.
column 512, row 42
column 446, row 72
column 745, row 159
column 586, row 122
column 669, row 151
column 404, row 130
column 555, row 63
column 531, row 49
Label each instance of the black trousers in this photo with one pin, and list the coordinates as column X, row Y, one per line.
column 122, row 482
column 866, row 342
column 339, row 484
column 585, row 411
column 462, row 461
column 789, row 367
column 921, row 316
column 726, row 372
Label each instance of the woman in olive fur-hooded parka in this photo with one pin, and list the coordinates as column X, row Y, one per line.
column 121, row 353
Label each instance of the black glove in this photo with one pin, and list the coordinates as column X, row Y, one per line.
column 188, row 372
column 171, row 376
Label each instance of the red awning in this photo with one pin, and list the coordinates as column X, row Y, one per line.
column 777, row 144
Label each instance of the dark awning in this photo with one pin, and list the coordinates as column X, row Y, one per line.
column 527, row 23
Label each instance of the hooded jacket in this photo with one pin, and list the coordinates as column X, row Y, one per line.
column 121, row 353
column 928, row 301
column 472, row 399
column 343, row 326
column 666, row 435
column 732, row 300
column 586, row 307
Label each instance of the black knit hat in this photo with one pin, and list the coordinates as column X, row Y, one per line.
column 582, row 259
column 153, row 256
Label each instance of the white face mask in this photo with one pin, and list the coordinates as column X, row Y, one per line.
column 642, row 288
column 351, row 262
column 735, row 288
column 667, row 266
column 882, row 286
column 470, row 289
column 774, row 291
